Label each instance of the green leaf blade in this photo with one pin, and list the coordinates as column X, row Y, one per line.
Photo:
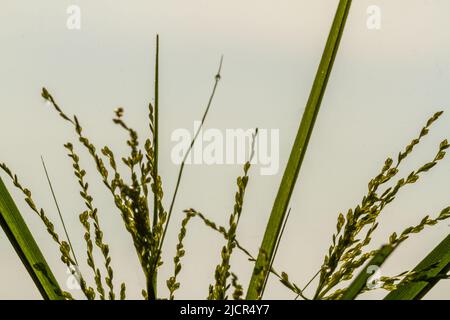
column 299, row 148
column 440, row 256
column 360, row 281
column 25, row 246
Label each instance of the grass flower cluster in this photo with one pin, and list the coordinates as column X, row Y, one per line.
column 137, row 192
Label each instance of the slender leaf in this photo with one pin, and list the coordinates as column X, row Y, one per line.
column 152, row 284
column 23, row 242
column 58, row 209
column 440, row 257
column 299, row 148
column 155, row 136
column 360, row 281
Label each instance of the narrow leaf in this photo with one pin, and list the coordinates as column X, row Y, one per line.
column 299, row 148
column 360, row 281
column 439, row 256
column 23, row 242
column 151, row 285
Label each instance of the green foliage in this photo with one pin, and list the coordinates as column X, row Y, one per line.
column 355, row 230
column 360, row 282
column 91, row 215
column 222, row 273
column 139, row 197
column 298, row 152
column 130, row 197
column 434, row 267
column 24, row 244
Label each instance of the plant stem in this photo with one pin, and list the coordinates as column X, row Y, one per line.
column 152, row 278
column 180, row 172
column 59, row 211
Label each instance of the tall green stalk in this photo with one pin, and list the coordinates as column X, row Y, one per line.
column 152, row 284
column 298, row 151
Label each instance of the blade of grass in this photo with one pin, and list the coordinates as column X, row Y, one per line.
column 151, row 286
column 155, row 137
column 360, row 281
column 26, row 248
column 439, row 256
column 300, row 144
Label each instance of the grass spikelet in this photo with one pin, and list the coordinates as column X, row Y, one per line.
column 136, row 187
column 426, row 221
column 222, row 272
column 130, row 199
column 238, row 292
column 346, row 253
column 66, row 256
column 222, row 230
column 91, row 214
column 64, row 247
column 172, row 283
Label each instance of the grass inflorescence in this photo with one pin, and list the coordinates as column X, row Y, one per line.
column 138, row 194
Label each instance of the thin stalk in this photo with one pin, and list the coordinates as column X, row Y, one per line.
column 153, row 276
column 155, row 136
column 309, row 282
column 59, row 211
column 275, row 251
column 180, row 172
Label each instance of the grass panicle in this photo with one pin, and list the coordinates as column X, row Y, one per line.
column 85, row 217
column 131, row 198
column 172, row 283
column 64, row 247
column 136, row 187
column 434, row 267
column 26, row 247
column 223, row 231
column 218, row 291
column 354, row 230
column 238, row 291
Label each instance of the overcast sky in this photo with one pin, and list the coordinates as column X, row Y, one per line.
column 384, row 85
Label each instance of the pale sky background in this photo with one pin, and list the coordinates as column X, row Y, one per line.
column 384, row 85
